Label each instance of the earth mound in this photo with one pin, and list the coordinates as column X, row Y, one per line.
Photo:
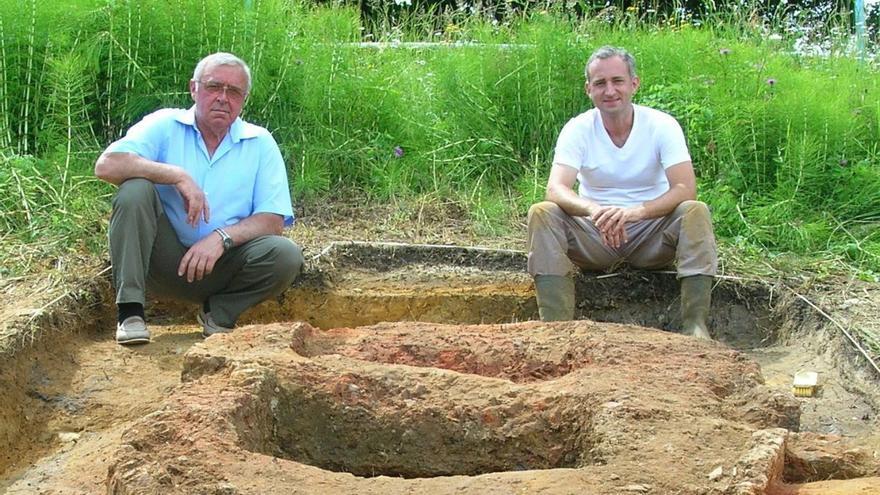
column 431, row 408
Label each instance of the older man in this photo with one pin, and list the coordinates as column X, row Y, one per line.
column 635, row 202
column 202, row 202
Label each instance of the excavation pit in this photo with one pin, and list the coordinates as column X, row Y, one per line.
column 347, row 412
column 587, row 401
column 414, row 369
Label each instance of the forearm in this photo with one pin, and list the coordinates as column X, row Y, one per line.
column 254, row 226
column 199, row 260
column 682, row 187
column 116, row 168
column 570, row 202
column 665, row 203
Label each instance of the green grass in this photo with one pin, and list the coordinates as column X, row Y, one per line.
column 789, row 167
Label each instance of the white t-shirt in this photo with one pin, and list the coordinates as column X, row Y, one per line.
column 626, row 176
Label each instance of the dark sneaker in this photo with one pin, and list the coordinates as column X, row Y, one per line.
column 133, row 330
column 209, row 326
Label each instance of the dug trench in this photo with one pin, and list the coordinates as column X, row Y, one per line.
column 393, row 368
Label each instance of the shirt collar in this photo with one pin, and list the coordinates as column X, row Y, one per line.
column 238, row 131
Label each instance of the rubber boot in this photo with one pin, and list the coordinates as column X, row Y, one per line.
column 555, row 294
column 696, row 296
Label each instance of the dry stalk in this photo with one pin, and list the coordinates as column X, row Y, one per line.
column 842, row 329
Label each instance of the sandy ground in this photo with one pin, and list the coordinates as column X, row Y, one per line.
column 92, row 399
column 83, row 393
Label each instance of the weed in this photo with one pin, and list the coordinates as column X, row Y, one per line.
column 784, row 143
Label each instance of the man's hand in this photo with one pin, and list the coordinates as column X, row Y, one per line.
column 611, row 222
column 194, row 201
column 199, row 261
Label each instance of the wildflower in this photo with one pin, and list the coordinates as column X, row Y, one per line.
column 398, row 152
column 724, row 52
column 771, row 82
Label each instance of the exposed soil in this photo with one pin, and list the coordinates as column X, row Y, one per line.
column 406, row 406
column 340, row 406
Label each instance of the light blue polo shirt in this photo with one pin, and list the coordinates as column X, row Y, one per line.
column 245, row 176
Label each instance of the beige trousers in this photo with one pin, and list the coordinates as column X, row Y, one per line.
column 685, row 237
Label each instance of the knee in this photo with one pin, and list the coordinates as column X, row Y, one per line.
column 543, row 213
column 288, row 260
column 134, row 191
column 693, row 209
column 696, row 224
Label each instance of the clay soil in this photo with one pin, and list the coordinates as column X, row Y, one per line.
column 314, row 395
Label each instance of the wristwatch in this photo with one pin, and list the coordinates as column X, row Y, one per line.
column 227, row 241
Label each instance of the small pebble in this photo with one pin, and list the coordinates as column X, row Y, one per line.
column 68, row 436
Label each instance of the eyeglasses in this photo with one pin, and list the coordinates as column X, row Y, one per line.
column 216, row 88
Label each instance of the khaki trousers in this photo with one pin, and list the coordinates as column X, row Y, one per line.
column 685, row 237
column 145, row 253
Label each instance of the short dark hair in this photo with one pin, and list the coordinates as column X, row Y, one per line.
column 608, row 51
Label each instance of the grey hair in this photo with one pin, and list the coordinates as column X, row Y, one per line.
column 222, row 58
column 607, row 51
